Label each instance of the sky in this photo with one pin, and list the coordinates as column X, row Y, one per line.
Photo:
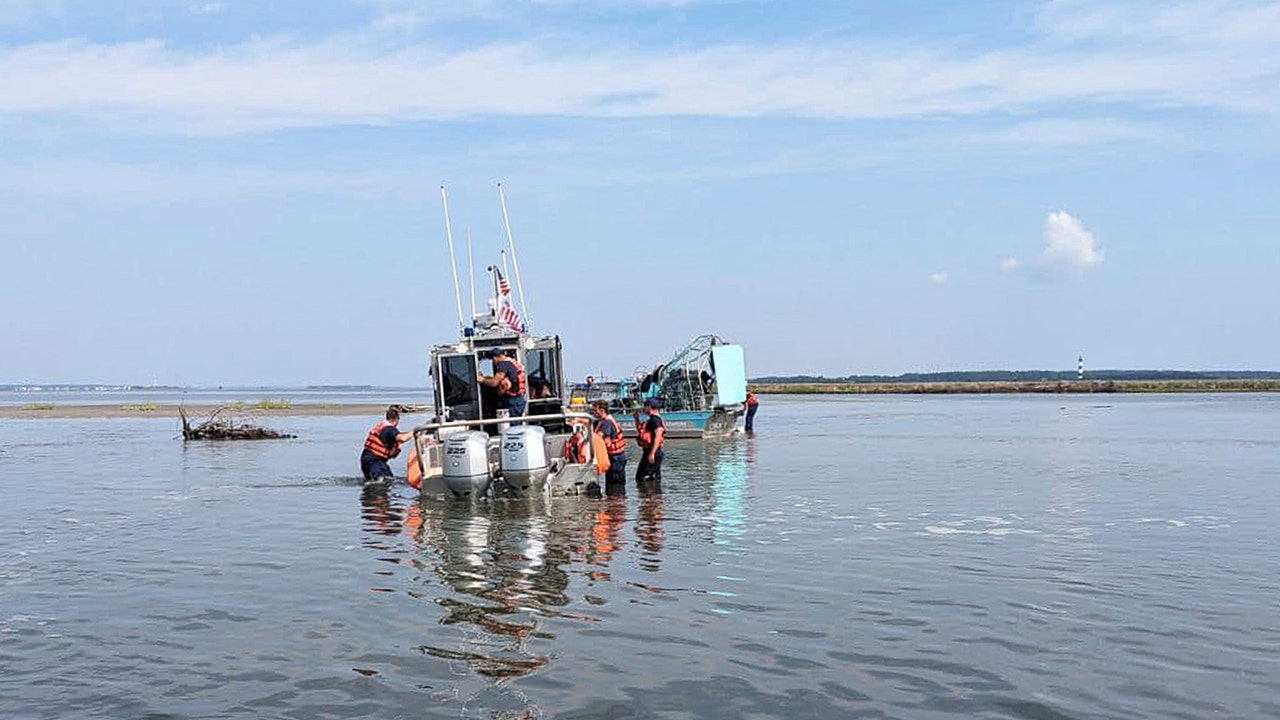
column 248, row 193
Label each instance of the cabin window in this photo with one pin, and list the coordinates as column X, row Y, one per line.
column 458, row 386
column 543, row 374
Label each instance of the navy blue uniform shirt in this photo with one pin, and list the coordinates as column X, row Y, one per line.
column 653, row 424
column 508, row 368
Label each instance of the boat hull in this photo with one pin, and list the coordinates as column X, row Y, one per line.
column 691, row 423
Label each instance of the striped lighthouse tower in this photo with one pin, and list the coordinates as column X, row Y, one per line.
column 1080, row 368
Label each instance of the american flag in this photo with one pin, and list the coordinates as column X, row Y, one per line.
column 507, row 314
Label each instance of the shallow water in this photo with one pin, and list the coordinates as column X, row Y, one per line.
column 1011, row 556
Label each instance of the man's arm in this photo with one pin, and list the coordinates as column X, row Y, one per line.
column 493, row 380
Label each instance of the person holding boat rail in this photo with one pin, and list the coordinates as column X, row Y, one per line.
column 509, row 380
column 651, row 434
column 753, row 404
column 615, row 445
column 382, row 444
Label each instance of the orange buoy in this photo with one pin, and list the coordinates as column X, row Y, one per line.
column 413, row 471
column 601, row 452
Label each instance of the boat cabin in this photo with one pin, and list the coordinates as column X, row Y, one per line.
column 460, row 396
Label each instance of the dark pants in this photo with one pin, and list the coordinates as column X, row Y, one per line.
column 617, row 470
column 649, row 470
column 515, row 406
column 751, row 417
column 375, row 467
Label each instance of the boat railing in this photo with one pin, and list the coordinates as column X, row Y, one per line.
column 435, row 426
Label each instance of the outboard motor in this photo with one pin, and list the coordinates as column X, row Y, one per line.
column 466, row 464
column 523, row 457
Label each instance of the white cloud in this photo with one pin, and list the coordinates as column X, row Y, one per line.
column 1219, row 61
column 210, row 8
column 1070, row 247
column 938, row 278
column 1188, row 22
column 1070, row 244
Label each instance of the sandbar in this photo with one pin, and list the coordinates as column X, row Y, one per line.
column 36, row 411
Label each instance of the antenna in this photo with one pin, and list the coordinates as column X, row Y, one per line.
column 453, row 264
column 493, row 275
column 471, row 274
column 524, row 310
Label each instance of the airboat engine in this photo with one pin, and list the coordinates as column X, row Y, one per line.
column 524, row 459
column 466, row 464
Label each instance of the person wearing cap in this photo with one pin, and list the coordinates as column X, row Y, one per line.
column 615, row 444
column 382, row 444
column 508, row 379
column 650, row 433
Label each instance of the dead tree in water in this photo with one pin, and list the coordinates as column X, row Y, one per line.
column 223, row 428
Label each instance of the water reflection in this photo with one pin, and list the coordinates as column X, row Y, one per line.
column 504, row 562
column 731, row 481
column 381, row 514
column 606, row 532
column 649, row 528
column 506, row 576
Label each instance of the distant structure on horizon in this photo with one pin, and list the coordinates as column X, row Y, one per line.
column 1080, row 368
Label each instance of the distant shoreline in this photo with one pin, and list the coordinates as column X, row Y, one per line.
column 36, row 410
column 39, row 410
column 1015, row 387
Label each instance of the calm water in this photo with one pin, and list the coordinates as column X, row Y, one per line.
column 1021, row 557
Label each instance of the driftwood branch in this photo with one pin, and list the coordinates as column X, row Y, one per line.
column 223, row 428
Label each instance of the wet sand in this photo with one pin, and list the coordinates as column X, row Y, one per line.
column 194, row 412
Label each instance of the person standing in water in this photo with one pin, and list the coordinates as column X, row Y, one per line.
column 615, row 444
column 382, row 444
column 753, row 404
column 651, row 434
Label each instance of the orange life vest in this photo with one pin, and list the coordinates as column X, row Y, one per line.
column 751, row 399
column 575, row 448
column 514, row 389
column 614, row 444
column 373, row 443
column 643, row 436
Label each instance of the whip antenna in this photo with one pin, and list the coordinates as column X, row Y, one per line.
column 471, row 274
column 515, row 261
column 453, row 264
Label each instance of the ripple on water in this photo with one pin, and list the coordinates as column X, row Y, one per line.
column 957, row 557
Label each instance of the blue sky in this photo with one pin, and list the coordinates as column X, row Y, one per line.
column 248, row 193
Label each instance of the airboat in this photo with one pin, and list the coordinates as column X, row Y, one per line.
column 701, row 391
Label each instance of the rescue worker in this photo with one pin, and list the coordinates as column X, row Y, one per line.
column 753, row 404
column 651, row 433
column 382, row 444
column 509, row 380
column 615, row 444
